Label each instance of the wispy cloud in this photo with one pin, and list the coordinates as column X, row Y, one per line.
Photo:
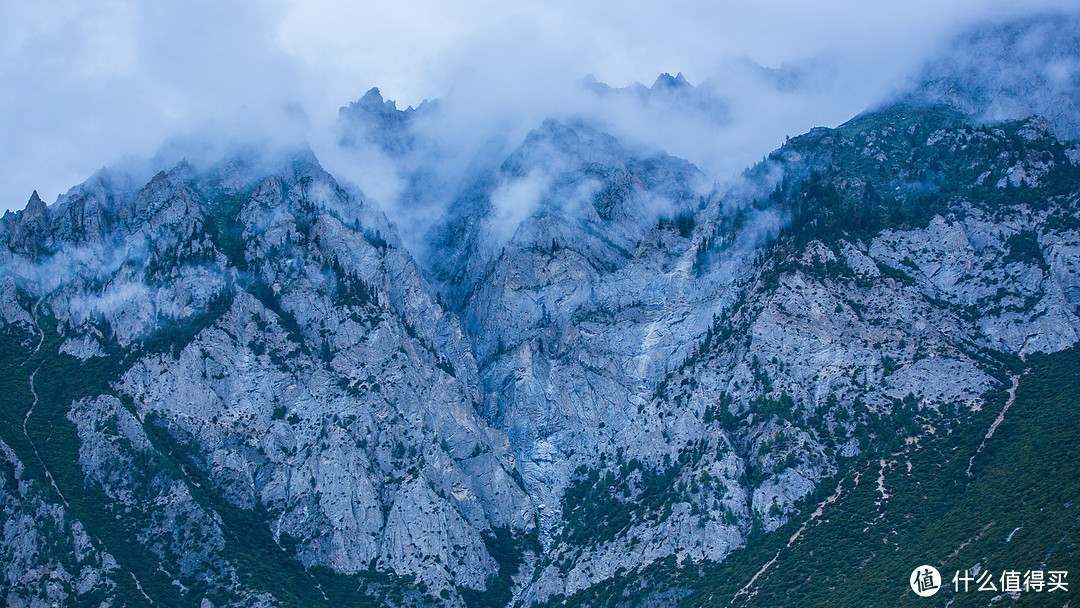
column 85, row 83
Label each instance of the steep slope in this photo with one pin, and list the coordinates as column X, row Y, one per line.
column 265, row 334
column 871, row 320
column 575, row 308
column 249, row 372
column 917, row 246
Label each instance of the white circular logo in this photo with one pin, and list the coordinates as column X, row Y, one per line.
column 925, row 581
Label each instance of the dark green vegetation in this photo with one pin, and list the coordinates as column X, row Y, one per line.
column 898, row 168
column 221, row 220
column 600, row 507
column 1019, row 510
column 509, row 551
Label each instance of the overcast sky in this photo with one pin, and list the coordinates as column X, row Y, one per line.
column 84, row 83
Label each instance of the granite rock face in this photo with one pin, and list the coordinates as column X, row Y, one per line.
column 595, row 363
column 233, row 383
column 273, row 326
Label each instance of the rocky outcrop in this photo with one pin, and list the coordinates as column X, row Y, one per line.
column 48, row 557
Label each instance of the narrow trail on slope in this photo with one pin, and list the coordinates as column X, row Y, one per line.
column 29, row 412
column 747, row 589
column 997, row 422
column 37, row 454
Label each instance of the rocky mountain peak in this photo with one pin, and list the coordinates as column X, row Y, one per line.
column 28, row 230
column 377, row 121
column 35, row 205
column 666, row 81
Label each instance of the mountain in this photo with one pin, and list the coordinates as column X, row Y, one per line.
column 896, row 306
column 259, row 343
column 595, row 379
column 1010, row 70
column 670, row 94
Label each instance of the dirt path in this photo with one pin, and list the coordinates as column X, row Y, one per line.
column 44, row 467
column 750, row 593
column 29, row 412
column 997, row 422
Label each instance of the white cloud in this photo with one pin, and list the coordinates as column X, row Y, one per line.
column 85, row 83
column 513, row 201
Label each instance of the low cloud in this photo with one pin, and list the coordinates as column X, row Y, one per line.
column 88, row 83
column 515, row 200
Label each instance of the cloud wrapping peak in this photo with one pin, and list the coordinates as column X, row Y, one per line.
column 88, row 83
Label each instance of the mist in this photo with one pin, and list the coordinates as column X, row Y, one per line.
column 86, row 85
